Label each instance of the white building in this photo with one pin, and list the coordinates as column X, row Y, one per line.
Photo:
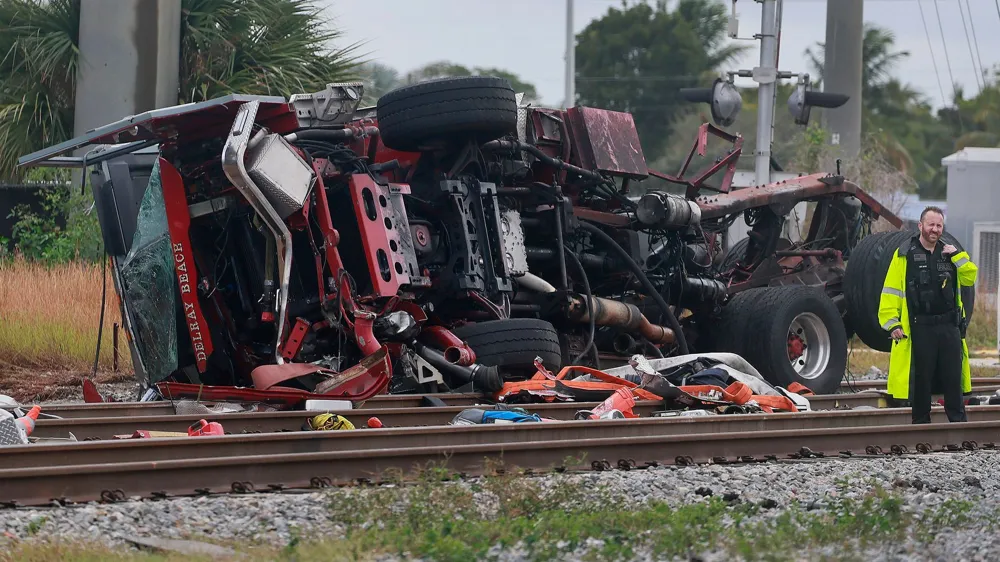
column 973, row 208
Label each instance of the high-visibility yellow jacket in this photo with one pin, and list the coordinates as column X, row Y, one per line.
column 893, row 313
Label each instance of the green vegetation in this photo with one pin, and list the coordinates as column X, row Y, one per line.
column 633, row 58
column 636, row 58
column 446, row 521
column 251, row 47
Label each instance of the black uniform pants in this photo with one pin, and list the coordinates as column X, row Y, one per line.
column 936, row 356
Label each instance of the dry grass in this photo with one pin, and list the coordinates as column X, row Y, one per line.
column 982, row 332
column 49, row 317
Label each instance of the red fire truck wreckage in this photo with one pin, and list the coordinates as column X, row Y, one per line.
column 452, row 238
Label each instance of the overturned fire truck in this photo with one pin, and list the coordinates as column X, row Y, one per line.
column 447, row 239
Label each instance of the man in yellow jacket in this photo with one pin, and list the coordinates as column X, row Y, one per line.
column 921, row 307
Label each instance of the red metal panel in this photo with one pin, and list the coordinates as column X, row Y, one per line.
column 607, row 141
column 379, row 236
column 787, row 192
column 294, row 342
column 331, row 238
column 179, row 223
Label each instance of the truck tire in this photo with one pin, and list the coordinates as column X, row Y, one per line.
column 735, row 253
column 794, row 333
column 415, row 117
column 513, row 344
column 739, row 250
column 729, row 333
column 863, row 280
column 968, row 293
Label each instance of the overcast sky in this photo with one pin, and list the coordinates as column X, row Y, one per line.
column 527, row 37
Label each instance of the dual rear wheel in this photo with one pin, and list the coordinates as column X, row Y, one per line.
column 790, row 334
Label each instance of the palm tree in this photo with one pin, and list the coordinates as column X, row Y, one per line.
column 887, row 101
column 276, row 47
column 878, row 59
column 38, row 43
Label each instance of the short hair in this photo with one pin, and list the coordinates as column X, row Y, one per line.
column 931, row 209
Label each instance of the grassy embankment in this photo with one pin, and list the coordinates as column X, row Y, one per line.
column 48, row 329
column 49, row 315
column 544, row 522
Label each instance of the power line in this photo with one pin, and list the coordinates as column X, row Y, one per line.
column 930, row 47
column 975, row 40
column 968, row 42
column 947, row 60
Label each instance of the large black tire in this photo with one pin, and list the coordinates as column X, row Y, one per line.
column 420, row 116
column 968, row 293
column 739, row 250
column 512, row 345
column 863, row 280
column 735, row 253
column 729, row 334
column 779, row 313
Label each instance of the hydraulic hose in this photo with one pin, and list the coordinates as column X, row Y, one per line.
column 632, row 265
column 486, row 378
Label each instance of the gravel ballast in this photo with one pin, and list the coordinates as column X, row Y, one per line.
column 924, row 481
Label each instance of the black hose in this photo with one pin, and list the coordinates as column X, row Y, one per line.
column 590, row 313
column 537, row 153
column 320, row 135
column 104, row 299
column 627, row 259
column 486, row 378
column 560, row 259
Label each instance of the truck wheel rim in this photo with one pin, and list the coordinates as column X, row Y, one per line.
column 808, row 345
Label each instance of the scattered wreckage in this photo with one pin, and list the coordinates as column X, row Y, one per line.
column 451, row 238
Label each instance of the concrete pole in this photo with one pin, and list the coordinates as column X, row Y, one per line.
column 766, row 76
column 570, row 57
column 842, row 72
column 130, row 59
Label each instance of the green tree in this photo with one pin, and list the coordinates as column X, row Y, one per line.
column 636, row 58
column 38, row 43
column 249, row 46
column 276, row 47
column 447, row 69
column 879, row 59
column 786, row 136
column 379, row 78
column 895, row 115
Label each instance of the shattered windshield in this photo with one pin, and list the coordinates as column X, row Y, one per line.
column 148, row 282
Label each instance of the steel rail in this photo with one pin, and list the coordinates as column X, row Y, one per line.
column 120, row 481
column 871, row 397
column 268, row 422
column 161, row 449
column 983, row 384
column 165, row 407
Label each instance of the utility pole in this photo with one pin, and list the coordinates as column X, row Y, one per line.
column 766, row 76
column 842, row 71
column 130, row 57
column 129, row 61
column 570, row 57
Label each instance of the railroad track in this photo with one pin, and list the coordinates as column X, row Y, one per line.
column 164, row 407
column 226, row 464
column 143, row 450
column 124, row 419
column 983, row 384
column 868, row 395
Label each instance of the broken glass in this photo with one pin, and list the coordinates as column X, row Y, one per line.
column 148, row 284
